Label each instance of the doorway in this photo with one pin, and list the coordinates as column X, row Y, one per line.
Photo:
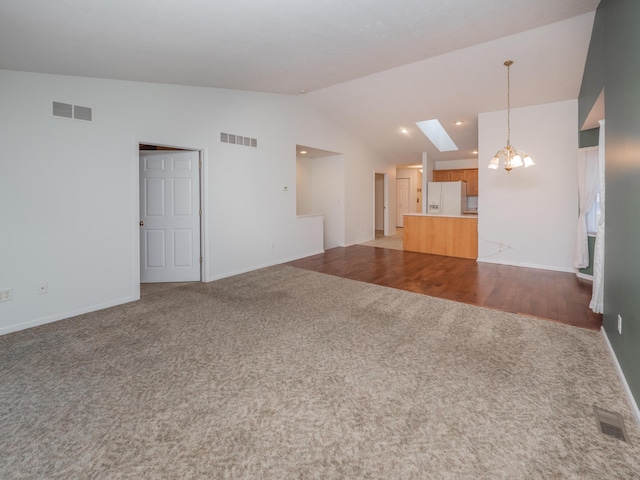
column 170, row 215
column 381, row 217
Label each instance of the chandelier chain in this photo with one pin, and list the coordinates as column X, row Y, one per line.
column 508, row 64
column 510, row 156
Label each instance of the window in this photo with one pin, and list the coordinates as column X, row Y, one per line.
column 593, row 215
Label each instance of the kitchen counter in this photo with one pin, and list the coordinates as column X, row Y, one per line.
column 450, row 235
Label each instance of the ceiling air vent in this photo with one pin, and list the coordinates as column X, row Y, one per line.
column 238, row 140
column 67, row 110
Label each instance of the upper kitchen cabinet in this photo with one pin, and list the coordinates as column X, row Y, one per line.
column 469, row 175
column 441, row 176
column 457, row 176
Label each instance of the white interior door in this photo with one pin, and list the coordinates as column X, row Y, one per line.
column 403, row 200
column 169, row 216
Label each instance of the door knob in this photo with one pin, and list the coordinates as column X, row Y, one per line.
column 142, row 223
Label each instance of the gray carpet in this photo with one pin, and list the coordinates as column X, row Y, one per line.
column 285, row 373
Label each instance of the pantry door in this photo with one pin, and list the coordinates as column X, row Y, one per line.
column 169, row 216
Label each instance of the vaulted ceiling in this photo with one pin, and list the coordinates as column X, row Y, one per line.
column 374, row 66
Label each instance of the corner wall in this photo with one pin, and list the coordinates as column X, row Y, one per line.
column 613, row 63
column 69, row 192
column 528, row 217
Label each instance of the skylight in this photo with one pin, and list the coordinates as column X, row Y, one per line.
column 437, row 134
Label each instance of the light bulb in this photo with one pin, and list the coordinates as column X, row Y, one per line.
column 516, row 161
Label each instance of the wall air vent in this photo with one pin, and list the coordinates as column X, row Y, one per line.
column 238, row 140
column 82, row 113
column 64, row 110
column 76, row 112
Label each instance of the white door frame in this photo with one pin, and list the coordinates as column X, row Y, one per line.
column 204, row 223
column 386, row 205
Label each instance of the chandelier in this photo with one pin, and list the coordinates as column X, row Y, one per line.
column 511, row 157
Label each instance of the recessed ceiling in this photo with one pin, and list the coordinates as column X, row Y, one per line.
column 443, row 58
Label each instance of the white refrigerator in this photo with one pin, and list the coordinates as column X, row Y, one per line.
column 446, row 198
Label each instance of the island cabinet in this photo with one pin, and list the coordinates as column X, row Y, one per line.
column 442, row 235
column 469, row 175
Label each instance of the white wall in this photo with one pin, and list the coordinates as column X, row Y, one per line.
column 303, row 186
column 327, row 178
column 533, row 210
column 320, row 191
column 428, row 165
column 457, row 164
column 360, row 170
column 69, row 193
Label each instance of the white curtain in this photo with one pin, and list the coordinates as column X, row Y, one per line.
column 597, row 296
column 587, row 189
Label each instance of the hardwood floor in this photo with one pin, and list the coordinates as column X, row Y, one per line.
column 557, row 296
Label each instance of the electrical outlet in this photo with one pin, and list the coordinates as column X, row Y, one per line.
column 619, row 324
column 43, row 287
column 6, row 295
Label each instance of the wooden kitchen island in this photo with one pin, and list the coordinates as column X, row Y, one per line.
column 453, row 236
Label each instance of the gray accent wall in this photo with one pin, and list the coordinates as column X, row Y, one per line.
column 613, row 63
column 589, row 138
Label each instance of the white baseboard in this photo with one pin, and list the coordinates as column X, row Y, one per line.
column 62, row 316
column 526, row 265
column 584, row 276
column 263, row 265
column 632, row 401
